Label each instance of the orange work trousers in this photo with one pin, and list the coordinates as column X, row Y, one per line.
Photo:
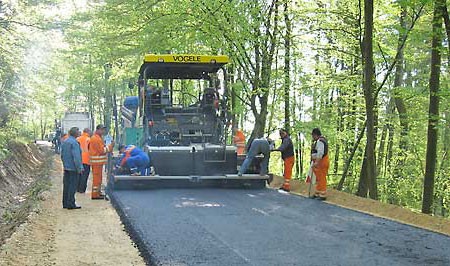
column 321, row 171
column 97, row 176
column 288, row 165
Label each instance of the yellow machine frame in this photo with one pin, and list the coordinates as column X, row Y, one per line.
column 186, row 58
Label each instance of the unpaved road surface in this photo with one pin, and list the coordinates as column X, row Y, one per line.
column 54, row 236
column 265, row 227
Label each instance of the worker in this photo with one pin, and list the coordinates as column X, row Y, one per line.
column 83, row 140
column 66, row 136
column 259, row 146
column 239, row 142
column 321, row 163
column 287, row 154
column 134, row 159
column 98, row 158
column 57, row 140
column 73, row 167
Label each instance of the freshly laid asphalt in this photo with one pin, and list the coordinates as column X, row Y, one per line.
column 265, row 227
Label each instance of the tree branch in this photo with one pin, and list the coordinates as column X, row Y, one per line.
column 405, row 37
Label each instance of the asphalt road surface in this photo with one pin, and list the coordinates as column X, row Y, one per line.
column 265, row 227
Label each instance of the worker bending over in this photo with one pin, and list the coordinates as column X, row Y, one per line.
column 98, row 152
column 321, row 163
column 287, row 154
column 257, row 147
column 133, row 158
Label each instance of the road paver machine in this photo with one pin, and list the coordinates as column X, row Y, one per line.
column 187, row 143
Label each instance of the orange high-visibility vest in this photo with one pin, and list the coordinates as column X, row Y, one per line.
column 239, row 141
column 84, row 144
column 98, row 150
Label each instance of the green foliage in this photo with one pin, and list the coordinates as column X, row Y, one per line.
column 20, row 21
column 325, row 78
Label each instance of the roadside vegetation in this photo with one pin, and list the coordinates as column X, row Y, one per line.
column 373, row 76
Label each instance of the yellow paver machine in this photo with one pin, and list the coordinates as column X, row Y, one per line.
column 183, row 119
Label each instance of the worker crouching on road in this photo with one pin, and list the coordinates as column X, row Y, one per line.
column 257, row 147
column 287, row 154
column 84, row 144
column 73, row 167
column 321, row 163
column 133, row 159
column 98, row 158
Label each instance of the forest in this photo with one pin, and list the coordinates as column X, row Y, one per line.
column 373, row 75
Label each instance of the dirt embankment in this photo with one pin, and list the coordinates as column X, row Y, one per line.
column 52, row 235
column 21, row 181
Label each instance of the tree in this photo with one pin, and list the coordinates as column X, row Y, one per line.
column 368, row 182
column 398, row 82
column 287, row 66
column 284, row 54
column 20, row 21
column 433, row 111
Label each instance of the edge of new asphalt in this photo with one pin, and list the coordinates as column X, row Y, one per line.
column 375, row 215
column 134, row 234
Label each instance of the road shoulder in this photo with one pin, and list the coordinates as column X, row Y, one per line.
column 373, row 207
column 92, row 235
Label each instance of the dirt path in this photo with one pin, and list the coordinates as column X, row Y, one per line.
column 93, row 235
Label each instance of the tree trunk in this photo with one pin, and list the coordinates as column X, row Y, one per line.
column 381, row 147
column 108, row 102
column 339, row 131
column 299, row 156
column 270, row 125
column 433, row 111
column 363, row 185
column 42, row 131
column 446, row 139
column 350, row 113
column 390, row 146
column 314, row 91
column 398, row 82
column 231, row 87
column 444, row 163
column 350, row 158
column 392, row 181
column 367, row 181
column 264, row 56
column 116, row 116
column 447, row 27
column 287, row 68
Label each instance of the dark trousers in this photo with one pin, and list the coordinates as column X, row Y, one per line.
column 70, row 182
column 82, row 182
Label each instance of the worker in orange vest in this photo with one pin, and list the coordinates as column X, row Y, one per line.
column 98, row 158
column 84, row 144
column 239, row 141
column 321, row 163
column 287, row 154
